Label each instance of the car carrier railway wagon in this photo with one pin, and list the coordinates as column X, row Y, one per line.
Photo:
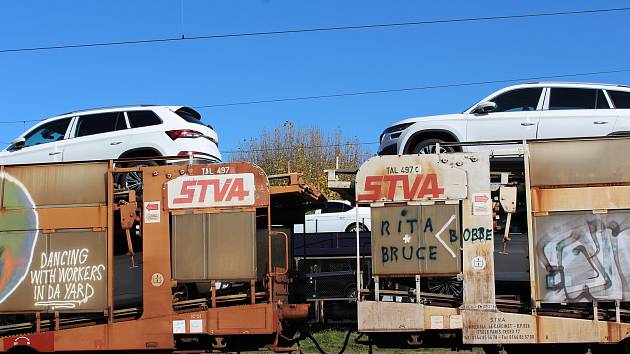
column 439, row 216
column 194, row 266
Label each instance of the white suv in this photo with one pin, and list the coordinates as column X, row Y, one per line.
column 114, row 133
column 541, row 110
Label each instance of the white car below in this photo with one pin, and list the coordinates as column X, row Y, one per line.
column 337, row 216
column 541, row 110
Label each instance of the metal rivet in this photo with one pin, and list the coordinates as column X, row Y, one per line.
column 474, row 159
column 169, row 176
column 459, row 163
column 181, row 172
column 156, row 173
column 444, row 160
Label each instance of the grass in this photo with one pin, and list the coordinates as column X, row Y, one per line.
column 331, row 341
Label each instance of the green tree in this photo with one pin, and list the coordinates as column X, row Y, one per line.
column 306, row 150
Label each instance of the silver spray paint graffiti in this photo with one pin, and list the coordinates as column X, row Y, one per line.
column 582, row 257
column 18, row 234
column 52, row 270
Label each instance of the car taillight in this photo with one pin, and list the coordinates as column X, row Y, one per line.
column 196, row 153
column 183, row 133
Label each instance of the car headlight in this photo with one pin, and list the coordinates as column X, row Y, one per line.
column 395, row 128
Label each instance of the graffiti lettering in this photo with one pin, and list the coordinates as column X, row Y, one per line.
column 384, row 227
column 390, row 254
column 65, row 279
column 476, row 234
column 452, row 235
column 582, row 257
column 413, row 187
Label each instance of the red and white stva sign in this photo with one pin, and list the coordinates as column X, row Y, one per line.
column 211, row 191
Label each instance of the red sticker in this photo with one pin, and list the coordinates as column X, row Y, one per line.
column 42, row 342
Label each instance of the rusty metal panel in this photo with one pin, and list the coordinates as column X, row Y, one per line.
column 189, row 243
column 580, row 198
column 581, row 256
column 217, row 246
column 409, row 178
column 414, row 239
column 73, row 218
column 484, row 327
column 60, row 271
column 377, row 316
column 59, row 184
column 232, row 249
column 575, row 162
column 248, row 319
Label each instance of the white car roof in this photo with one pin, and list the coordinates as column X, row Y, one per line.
column 104, row 110
column 568, row 84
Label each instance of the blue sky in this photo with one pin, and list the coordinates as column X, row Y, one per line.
column 35, row 85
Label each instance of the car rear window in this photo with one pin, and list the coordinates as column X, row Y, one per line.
column 621, row 99
column 577, row 98
column 91, row 124
column 138, row 119
column 190, row 116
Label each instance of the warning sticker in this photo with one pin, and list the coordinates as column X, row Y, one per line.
column 179, row 326
column 437, row 322
column 482, row 204
column 196, row 326
column 152, row 212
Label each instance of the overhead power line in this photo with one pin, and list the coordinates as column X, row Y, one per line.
column 393, row 90
column 21, row 121
column 314, row 30
column 298, row 147
column 417, row 88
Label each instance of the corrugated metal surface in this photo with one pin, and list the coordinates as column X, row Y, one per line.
column 214, row 246
column 81, row 183
column 556, row 163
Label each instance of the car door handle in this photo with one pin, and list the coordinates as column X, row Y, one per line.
column 54, row 153
column 600, row 122
column 527, row 124
column 115, row 143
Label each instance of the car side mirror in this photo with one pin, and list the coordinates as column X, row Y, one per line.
column 17, row 144
column 485, row 107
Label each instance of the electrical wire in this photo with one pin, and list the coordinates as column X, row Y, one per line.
column 431, row 87
column 394, row 90
column 313, row 30
column 299, row 147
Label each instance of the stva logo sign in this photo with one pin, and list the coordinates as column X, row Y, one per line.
column 400, row 187
column 208, row 191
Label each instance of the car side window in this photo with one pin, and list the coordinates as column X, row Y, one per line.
column 47, row 133
column 576, row 98
column 333, row 207
column 138, row 119
column 525, row 99
column 347, row 207
column 600, row 100
column 99, row 123
column 621, row 99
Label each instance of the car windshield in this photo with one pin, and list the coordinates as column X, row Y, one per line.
column 48, row 132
